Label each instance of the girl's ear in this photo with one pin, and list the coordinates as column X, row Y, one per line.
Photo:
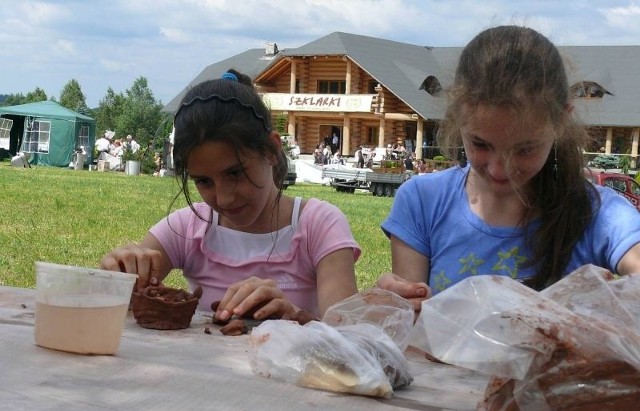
column 277, row 142
column 275, row 137
column 569, row 108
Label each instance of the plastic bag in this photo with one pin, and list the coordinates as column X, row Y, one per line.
column 573, row 346
column 382, row 308
column 359, row 359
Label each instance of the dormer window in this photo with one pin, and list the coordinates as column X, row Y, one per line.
column 431, row 85
column 588, row 89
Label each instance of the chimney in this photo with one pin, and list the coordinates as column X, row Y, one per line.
column 271, row 49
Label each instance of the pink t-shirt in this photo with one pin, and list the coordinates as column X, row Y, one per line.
column 215, row 257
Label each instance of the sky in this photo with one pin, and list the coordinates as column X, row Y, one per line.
column 111, row 43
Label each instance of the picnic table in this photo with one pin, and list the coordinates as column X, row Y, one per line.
column 187, row 370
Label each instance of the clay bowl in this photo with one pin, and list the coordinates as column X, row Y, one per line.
column 164, row 308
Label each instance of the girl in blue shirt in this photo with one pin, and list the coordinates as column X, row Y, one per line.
column 518, row 203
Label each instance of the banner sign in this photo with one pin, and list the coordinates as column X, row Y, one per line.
column 319, row 102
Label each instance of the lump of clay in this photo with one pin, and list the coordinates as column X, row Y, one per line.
column 569, row 381
column 164, row 308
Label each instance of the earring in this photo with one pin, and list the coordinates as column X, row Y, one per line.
column 555, row 160
column 462, row 158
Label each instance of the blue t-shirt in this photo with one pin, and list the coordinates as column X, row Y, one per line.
column 431, row 214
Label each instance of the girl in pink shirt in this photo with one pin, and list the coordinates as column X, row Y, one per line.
column 247, row 245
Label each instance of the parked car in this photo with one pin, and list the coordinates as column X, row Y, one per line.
column 291, row 173
column 620, row 183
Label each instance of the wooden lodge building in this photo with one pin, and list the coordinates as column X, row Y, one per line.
column 373, row 92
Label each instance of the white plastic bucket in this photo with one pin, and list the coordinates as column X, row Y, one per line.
column 79, row 161
column 132, row 168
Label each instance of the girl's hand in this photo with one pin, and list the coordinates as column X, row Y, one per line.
column 416, row 293
column 254, row 297
column 134, row 259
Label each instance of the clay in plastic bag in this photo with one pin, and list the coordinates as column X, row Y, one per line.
column 383, row 308
column 575, row 345
column 358, row 359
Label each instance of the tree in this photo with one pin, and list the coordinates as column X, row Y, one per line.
column 108, row 111
column 281, row 122
column 36, row 95
column 15, row 99
column 141, row 115
column 72, row 97
column 605, row 161
column 624, row 162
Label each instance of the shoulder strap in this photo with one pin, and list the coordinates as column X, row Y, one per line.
column 295, row 214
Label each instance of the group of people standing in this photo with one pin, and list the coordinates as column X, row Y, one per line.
column 516, row 205
column 106, row 146
column 324, row 154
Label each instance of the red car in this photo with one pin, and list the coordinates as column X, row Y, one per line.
column 620, row 183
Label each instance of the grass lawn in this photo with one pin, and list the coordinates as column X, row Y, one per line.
column 75, row 217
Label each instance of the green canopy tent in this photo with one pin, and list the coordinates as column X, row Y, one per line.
column 49, row 132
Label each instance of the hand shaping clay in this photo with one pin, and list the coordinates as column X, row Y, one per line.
column 242, row 325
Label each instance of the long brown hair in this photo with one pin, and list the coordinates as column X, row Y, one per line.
column 520, row 69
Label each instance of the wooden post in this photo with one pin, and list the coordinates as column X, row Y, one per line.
column 346, row 136
column 291, row 124
column 635, row 136
column 380, row 92
column 381, row 132
column 419, row 134
column 292, row 80
column 291, row 116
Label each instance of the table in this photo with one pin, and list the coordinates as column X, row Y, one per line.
column 186, row 370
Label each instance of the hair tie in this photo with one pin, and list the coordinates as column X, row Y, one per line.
column 229, row 76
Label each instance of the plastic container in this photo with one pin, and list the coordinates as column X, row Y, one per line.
column 78, row 163
column 81, row 310
column 132, row 168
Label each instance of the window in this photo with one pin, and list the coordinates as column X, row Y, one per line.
column 616, row 184
column 431, row 85
column 36, row 138
column 332, row 86
column 5, row 129
column 588, row 89
column 371, row 87
column 83, row 138
column 372, row 135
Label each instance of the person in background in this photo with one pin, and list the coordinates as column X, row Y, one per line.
column 518, row 204
column 359, row 156
column 103, row 145
column 422, row 167
column 408, row 162
column 389, row 153
column 369, row 161
column 246, row 244
column 132, row 144
column 335, row 143
column 337, row 159
column 317, row 155
column 326, row 155
column 117, row 149
column 295, row 150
